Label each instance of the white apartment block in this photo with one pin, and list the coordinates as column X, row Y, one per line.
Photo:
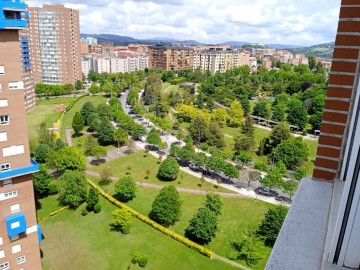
column 220, row 60
column 85, row 65
column 129, row 63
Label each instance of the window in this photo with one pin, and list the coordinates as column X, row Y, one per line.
column 5, row 266
column 2, row 254
column 16, row 85
column 21, row 259
column 7, row 182
column 16, row 248
column 15, row 208
column 3, row 136
column 8, row 195
column 5, row 167
column 3, row 103
column 2, row 70
column 13, row 150
column 1, row 241
column 0, row 88
column 4, row 119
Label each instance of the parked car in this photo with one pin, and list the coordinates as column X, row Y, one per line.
column 266, row 192
column 283, row 199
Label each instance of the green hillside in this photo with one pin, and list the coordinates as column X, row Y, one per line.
column 324, row 50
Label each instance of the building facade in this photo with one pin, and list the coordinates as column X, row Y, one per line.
column 54, row 37
column 170, row 57
column 19, row 232
column 128, row 62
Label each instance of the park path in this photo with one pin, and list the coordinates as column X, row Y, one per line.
column 183, row 190
column 225, row 260
column 68, row 134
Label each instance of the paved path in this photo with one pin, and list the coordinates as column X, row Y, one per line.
column 68, row 134
column 225, row 260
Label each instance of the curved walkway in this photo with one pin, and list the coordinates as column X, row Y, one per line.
column 225, row 260
column 183, row 190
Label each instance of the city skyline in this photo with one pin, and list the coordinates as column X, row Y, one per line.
column 303, row 23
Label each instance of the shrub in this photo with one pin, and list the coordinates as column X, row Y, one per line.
column 84, row 212
column 168, row 169
column 143, row 261
column 125, row 189
column 135, row 257
column 204, row 146
column 53, row 188
column 97, row 208
column 261, row 166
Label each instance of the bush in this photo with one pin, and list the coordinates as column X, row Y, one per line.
column 261, row 166
column 125, row 189
column 135, row 257
column 204, row 146
column 84, row 212
column 168, row 169
column 41, row 152
column 143, row 261
column 53, row 187
column 97, row 208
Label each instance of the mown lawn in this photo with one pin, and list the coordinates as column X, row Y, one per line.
column 73, row 241
column 139, row 164
column 68, row 116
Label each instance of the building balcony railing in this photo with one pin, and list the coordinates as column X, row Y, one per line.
column 13, row 5
column 12, row 24
column 33, row 168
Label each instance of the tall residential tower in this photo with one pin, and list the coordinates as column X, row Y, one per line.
column 55, row 44
column 19, row 233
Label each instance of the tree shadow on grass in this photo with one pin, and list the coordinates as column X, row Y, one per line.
column 77, row 135
column 97, row 162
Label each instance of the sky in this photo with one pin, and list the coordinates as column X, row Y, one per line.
column 300, row 22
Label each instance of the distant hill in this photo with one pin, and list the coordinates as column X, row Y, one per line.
column 324, row 50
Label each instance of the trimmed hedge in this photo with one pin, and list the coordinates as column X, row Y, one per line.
column 153, row 224
column 62, row 209
column 72, row 103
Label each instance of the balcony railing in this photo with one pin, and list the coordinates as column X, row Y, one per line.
column 12, row 24
column 33, row 168
column 12, row 5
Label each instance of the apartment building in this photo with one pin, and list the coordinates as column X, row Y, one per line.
column 128, row 61
column 19, row 232
column 170, row 57
column 321, row 230
column 85, row 64
column 54, row 37
column 219, row 60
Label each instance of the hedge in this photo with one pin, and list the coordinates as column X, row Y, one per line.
column 72, row 103
column 153, row 224
column 62, row 209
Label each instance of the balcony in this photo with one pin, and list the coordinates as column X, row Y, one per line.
column 13, row 5
column 33, row 168
column 15, row 224
column 12, row 23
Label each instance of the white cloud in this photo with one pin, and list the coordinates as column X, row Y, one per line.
column 304, row 22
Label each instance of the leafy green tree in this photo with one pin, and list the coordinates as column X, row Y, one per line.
column 261, row 109
column 58, row 145
column 189, row 144
column 221, row 116
column 202, row 227
column 166, row 208
column 121, row 136
column 290, row 188
column 41, row 152
column 89, row 145
column 86, row 110
column 249, row 247
column 300, row 173
column 104, row 111
column 79, row 85
column 230, row 170
column 78, row 123
column 168, row 169
column 70, row 158
column 105, row 131
column 243, row 143
column 278, row 113
column 216, row 135
column 279, row 133
column 99, row 152
column 125, row 189
column 199, row 159
column 42, row 181
column 121, row 220
column 153, row 137
column 272, row 180
column 92, row 199
column 245, row 104
column 315, row 120
column 292, row 152
column 107, row 87
column 93, row 121
column 244, row 158
column 215, row 163
column 297, row 114
column 271, row 224
column 213, row 202
column 45, row 137
column 94, row 89
column 312, row 61
column 199, row 129
column 72, row 189
column 236, row 114
column 137, row 130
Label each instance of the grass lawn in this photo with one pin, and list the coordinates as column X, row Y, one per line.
column 79, row 141
column 140, row 164
column 68, row 116
column 73, row 241
column 44, row 112
column 237, row 215
column 164, row 86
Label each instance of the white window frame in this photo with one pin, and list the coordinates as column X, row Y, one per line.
column 5, row 266
column 8, row 195
column 16, row 248
column 4, row 119
column 1, row 240
column 2, row 254
column 21, row 259
column 5, row 167
column 7, row 182
column 2, row 70
column 3, row 136
column 15, row 208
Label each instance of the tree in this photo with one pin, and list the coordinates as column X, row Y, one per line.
column 121, row 220
column 130, row 143
column 42, row 181
column 243, row 143
column 244, row 158
column 202, row 227
column 221, row 116
column 189, row 144
column 261, row 109
column 199, row 159
column 121, row 136
column 79, row 85
column 72, row 189
column 105, row 175
column 312, row 61
column 58, row 145
column 279, row 133
column 41, row 152
column 249, row 247
column 125, row 189
column 272, row 180
column 290, row 188
column 300, row 173
column 199, row 129
column 105, row 131
column 78, row 123
column 89, row 145
column 94, row 89
column 271, row 224
column 44, row 136
column 153, row 137
column 92, row 199
column 213, row 202
column 70, row 158
column 86, row 110
column 279, row 113
column 166, row 208
column 168, row 169
column 94, row 122
column 297, row 114
column 230, row 170
column 98, row 152
column 215, row 136
column 107, row 87
column 236, row 114
column 292, row 152
column 104, row 111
